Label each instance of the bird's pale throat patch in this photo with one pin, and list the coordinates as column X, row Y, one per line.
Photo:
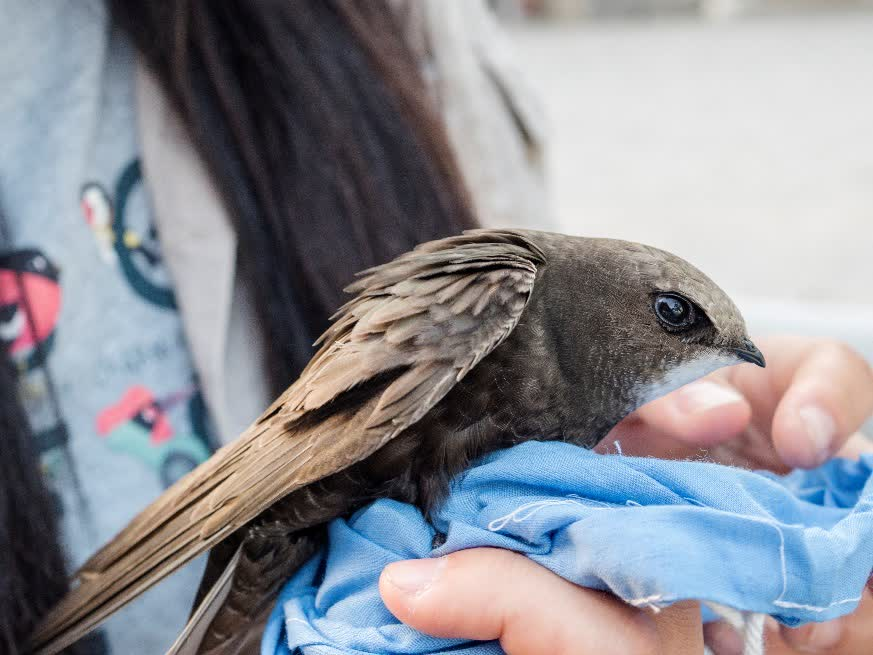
column 681, row 375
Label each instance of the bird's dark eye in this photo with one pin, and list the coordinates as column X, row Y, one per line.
column 674, row 311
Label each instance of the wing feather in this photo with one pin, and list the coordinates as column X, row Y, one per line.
column 426, row 319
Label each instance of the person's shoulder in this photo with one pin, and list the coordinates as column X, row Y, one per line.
column 493, row 118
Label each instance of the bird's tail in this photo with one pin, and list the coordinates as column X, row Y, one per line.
column 189, row 518
column 188, row 642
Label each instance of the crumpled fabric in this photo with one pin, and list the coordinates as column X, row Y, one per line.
column 653, row 532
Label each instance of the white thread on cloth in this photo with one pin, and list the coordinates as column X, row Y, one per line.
column 816, row 608
column 654, row 602
column 524, row 512
column 527, row 511
column 749, row 625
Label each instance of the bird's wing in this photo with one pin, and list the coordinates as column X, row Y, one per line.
column 417, row 326
column 188, row 642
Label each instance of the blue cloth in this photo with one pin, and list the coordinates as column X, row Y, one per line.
column 651, row 531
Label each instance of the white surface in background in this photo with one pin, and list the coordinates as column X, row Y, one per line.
column 745, row 146
column 847, row 322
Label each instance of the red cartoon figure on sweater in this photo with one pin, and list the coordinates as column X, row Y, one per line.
column 139, row 425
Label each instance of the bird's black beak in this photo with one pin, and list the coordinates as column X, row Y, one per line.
column 750, row 353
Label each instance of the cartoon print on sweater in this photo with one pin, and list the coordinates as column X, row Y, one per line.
column 123, row 240
column 30, row 304
column 28, row 281
column 139, row 425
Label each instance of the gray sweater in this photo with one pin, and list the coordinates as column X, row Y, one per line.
column 139, row 320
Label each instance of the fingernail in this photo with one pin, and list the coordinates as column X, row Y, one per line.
column 414, row 576
column 821, row 430
column 702, row 396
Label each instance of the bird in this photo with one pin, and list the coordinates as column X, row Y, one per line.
column 458, row 348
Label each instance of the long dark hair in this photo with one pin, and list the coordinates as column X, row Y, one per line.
column 313, row 119
column 32, row 572
column 316, row 128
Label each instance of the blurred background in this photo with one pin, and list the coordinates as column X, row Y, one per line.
column 736, row 133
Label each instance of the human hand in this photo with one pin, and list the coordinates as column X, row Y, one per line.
column 801, row 410
column 487, row 594
column 850, row 635
column 804, row 408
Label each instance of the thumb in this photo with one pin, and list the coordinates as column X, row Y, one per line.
column 487, row 594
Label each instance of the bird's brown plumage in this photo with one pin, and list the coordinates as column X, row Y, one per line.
column 416, row 327
column 460, row 347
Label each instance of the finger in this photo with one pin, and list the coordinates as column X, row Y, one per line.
column 856, row 446
column 849, row 635
column 722, row 639
column 703, row 413
column 487, row 594
column 814, row 637
column 679, row 628
column 829, row 396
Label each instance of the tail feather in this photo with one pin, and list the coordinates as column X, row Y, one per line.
column 188, row 643
column 240, row 481
column 165, row 536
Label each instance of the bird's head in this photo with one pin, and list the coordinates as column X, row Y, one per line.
column 630, row 323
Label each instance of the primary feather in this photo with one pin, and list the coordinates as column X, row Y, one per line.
column 416, row 327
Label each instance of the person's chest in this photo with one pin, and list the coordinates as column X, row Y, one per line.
column 87, row 309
